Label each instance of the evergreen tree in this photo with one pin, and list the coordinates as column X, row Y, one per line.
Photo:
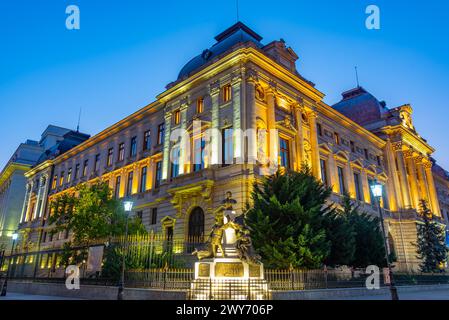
column 369, row 240
column 431, row 246
column 341, row 234
column 287, row 220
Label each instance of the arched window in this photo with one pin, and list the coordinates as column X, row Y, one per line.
column 196, row 225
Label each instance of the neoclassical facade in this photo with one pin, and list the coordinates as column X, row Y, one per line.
column 243, row 109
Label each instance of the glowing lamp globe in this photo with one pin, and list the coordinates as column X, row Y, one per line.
column 376, row 189
column 128, row 205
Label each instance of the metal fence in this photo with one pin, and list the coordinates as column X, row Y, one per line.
column 215, row 289
column 160, row 278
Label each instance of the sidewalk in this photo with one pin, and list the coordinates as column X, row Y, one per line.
column 20, row 296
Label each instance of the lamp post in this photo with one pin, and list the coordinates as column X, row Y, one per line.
column 128, row 206
column 4, row 288
column 376, row 190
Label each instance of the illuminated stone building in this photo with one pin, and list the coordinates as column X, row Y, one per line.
column 264, row 113
column 13, row 183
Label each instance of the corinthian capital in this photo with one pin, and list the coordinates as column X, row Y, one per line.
column 251, row 76
column 397, row 146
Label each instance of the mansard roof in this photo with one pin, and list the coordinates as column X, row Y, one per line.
column 238, row 33
column 70, row 140
column 361, row 106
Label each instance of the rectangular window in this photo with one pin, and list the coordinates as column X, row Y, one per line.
column 175, row 154
column 121, row 152
column 86, row 165
column 139, row 215
column 200, row 105
column 118, row 182
column 324, row 172
column 284, row 153
column 147, row 140
column 341, row 180
column 158, row 174
column 352, row 146
column 228, row 146
column 97, row 163
column 198, row 153
column 129, row 185
column 61, row 178
column 177, row 117
column 366, row 154
column 110, row 156
column 154, row 216
column 227, row 93
column 77, row 170
column 143, row 179
column 160, row 133
column 358, row 187
column 133, row 149
column 69, row 175
column 337, row 138
column 319, row 129
column 54, row 182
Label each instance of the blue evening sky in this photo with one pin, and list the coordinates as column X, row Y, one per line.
column 127, row 51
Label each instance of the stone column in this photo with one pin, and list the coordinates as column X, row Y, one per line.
column 29, row 200
column 315, row 148
column 424, row 192
column 25, row 203
column 166, row 153
column 214, row 138
column 136, row 178
column 299, row 139
column 150, row 174
column 184, row 138
column 414, row 188
column 45, row 184
column 403, row 176
column 365, row 186
column 394, row 195
column 236, row 124
column 273, row 136
column 432, row 190
column 350, row 185
column 251, row 120
column 333, row 173
column 39, row 192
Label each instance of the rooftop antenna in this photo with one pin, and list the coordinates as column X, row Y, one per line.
column 79, row 119
column 237, row 7
column 357, row 76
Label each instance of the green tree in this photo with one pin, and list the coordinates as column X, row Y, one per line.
column 431, row 246
column 341, row 234
column 286, row 220
column 369, row 240
column 91, row 214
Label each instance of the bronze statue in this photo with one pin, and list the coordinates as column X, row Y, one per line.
column 243, row 239
column 213, row 242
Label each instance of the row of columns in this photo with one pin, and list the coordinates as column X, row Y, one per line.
column 414, row 172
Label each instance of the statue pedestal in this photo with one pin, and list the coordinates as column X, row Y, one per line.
column 227, row 268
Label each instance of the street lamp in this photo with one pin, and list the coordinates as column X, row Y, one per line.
column 376, row 189
column 3, row 290
column 127, row 206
